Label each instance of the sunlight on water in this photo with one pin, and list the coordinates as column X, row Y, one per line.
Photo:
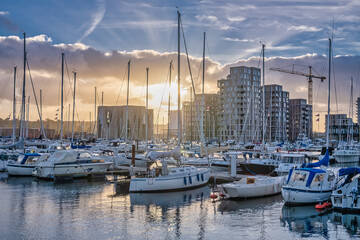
column 83, row 209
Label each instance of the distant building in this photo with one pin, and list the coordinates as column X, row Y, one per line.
column 111, row 122
column 276, row 113
column 191, row 117
column 300, row 119
column 239, row 105
column 173, row 122
column 342, row 128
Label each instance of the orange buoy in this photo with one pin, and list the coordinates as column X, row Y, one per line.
column 213, row 195
column 327, row 204
column 222, row 195
column 320, row 206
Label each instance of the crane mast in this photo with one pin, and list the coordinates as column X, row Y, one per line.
column 309, row 75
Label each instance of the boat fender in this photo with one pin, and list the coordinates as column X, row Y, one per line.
column 190, row 180
column 197, row 177
column 184, row 180
column 213, row 196
column 202, row 177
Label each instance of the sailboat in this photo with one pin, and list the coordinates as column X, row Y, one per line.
column 160, row 176
column 310, row 184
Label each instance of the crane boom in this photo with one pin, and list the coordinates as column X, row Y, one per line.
column 309, row 75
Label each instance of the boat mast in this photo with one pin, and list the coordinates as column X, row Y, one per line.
column 179, row 114
column 168, row 130
column 73, row 113
column 328, row 112
column 147, row 105
column 202, row 96
column 352, row 113
column 95, row 120
column 23, row 94
column 191, row 117
column 27, row 117
column 263, row 97
column 62, row 96
column 14, row 108
column 102, row 115
column 127, row 104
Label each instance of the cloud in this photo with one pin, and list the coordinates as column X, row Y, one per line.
column 2, row 13
column 236, row 19
column 6, row 22
column 238, row 40
column 108, row 72
column 96, row 19
column 303, row 28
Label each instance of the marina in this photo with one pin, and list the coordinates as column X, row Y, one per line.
column 179, row 120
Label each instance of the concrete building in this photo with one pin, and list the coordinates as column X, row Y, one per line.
column 111, row 122
column 276, row 113
column 300, row 119
column 342, row 128
column 239, row 105
column 173, row 128
column 192, row 116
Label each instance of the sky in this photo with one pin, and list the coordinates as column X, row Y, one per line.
column 99, row 37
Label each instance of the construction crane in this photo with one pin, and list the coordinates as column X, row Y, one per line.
column 309, row 75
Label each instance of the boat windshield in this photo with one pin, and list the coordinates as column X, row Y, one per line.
column 299, row 177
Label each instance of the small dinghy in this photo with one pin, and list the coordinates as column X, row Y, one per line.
column 253, row 186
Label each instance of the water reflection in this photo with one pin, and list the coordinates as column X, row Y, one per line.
column 350, row 221
column 228, row 205
column 305, row 220
column 170, row 199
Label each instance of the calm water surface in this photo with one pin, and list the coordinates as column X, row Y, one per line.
column 31, row 209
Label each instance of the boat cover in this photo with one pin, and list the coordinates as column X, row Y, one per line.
column 324, row 161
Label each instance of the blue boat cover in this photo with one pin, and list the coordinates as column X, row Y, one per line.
column 27, row 155
column 348, row 170
column 324, row 161
column 312, row 173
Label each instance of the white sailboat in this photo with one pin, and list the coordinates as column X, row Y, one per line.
column 310, row 184
column 160, row 177
column 347, row 196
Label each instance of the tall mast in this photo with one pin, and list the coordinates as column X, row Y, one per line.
column 147, row 102
column 328, row 112
column 352, row 112
column 168, row 130
column 41, row 103
column 73, row 113
column 27, row 117
column 102, row 114
column 68, row 124
column 263, row 96
column 179, row 114
column 62, row 96
column 127, row 104
column 191, row 117
column 23, row 93
column 95, row 120
column 202, row 96
column 90, row 130
column 14, row 108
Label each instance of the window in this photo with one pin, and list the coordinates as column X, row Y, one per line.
column 299, row 177
column 319, row 177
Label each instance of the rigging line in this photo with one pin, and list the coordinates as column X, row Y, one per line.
column 192, row 83
column 37, row 106
column 333, row 68
column 6, row 84
column 70, row 84
column 142, row 89
column 162, row 97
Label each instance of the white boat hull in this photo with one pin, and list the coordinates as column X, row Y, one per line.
column 300, row 196
column 20, row 169
column 169, row 182
column 266, row 188
column 73, row 170
column 346, row 158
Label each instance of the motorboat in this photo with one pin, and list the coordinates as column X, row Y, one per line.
column 161, row 177
column 347, row 154
column 347, row 196
column 25, row 163
column 70, row 163
column 264, row 165
column 252, row 186
column 288, row 161
column 309, row 184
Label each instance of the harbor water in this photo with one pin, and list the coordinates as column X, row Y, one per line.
column 83, row 209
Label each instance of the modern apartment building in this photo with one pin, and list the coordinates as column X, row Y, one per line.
column 239, row 105
column 300, row 119
column 192, row 117
column 276, row 113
